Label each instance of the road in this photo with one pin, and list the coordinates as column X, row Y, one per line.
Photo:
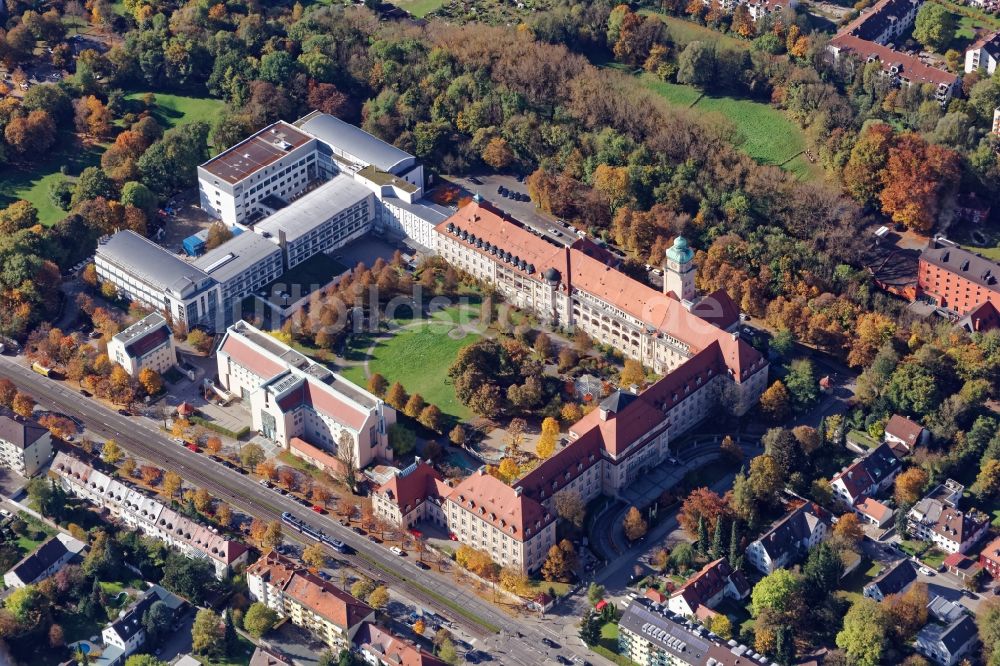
column 521, row 639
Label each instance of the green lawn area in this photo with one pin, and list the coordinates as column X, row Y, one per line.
column 31, row 182
column 766, row 133
column 851, row 586
column 77, row 626
column 418, row 8
column 912, row 547
column 608, row 647
column 539, row 586
column 173, row 110
column 418, row 356
column 934, row 558
column 862, row 439
column 684, row 32
column 27, row 545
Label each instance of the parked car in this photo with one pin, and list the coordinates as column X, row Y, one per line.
column 374, row 539
column 124, row 412
column 358, row 530
column 925, row 571
column 548, row 642
column 396, row 550
column 318, row 509
column 422, row 565
column 85, row 393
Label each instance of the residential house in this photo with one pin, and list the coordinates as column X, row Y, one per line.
column 649, row 634
column 866, row 477
column 716, row 581
column 288, row 588
column 148, row 343
column 125, row 634
column 948, row 528
column 380, row 647
column 264, row 657
column 989, row 558
column 983, row 54
column 789, row 539
column 45, row 561
column 25, row 446
column 904, row 435
column 149, row 516
column 874, row 512
column 944, row 610
column 947, row 644
column 894, row 579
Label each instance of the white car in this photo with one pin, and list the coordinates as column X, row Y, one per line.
column 925, row 571
column 5, row 513
column 396, row 550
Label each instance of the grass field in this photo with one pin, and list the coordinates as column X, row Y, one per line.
column 418, row 8
column 174, row 110
column 418, row 356
column 684, row 32
column 32, row 182
column 767, row 134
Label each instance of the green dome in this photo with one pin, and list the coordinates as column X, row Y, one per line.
column 680, row 252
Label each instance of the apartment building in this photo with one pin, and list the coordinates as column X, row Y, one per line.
column 380, row 647
column 149, row 515
column 574, row 287
column 983, row 54
column 307, row 600
column 25, row 446
column 989, row 558
column 148, row 343
column 789, row 539
column 299, row 403
column 948, row 643
column 866, row 477
column 872, row 38
column 126, row 634
column 955, row 279
column 241, row 266
column 947, row 527
column 650, row 634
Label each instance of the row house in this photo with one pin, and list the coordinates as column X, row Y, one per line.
column 149, row 516
column 308, row 601
column 789, row 539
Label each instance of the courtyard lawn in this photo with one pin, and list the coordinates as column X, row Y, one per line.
column 852, row 585
column 418, row 356
column 173, row 110
column 418, row 8
column 32, row 182
column 241, row 654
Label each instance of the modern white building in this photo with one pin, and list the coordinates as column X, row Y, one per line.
column 299, row 403
column 148, row 343
column 25, row 446
column 149, row 515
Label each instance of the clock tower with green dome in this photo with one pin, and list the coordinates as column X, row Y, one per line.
column 678, row 274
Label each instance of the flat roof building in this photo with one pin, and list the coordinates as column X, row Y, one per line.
column 148, row 343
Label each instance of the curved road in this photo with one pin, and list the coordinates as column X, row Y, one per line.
column 521, row 639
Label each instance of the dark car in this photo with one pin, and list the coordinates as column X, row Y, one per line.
column 473, row 179
column 124, row 412
column 472, row 657
column 374, row 539
column 85, row 393
column 550, row 643
column 421, row 565
column 282, row 491
column 358, row 530
column 501, row 189
column 563, row 660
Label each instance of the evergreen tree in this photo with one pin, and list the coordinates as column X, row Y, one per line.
column 735, row 556
column 702, row 544
column 784, row 645
column 590, row 629
column 821, row 430
column 717, row 540
column 229, row 638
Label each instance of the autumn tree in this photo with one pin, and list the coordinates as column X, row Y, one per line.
column 213, row 445
column 314, row 555
column 498, row 154
column 32, row 135
column 632, row 373
column 776, row 402
column 377, row 385
column 701, row 503
column 150, row 474
column 150, row 381
column 849, row 531
column 864, row 636
column 907, row 612
column 508, row 469
column 457, row 435
column 111, row 453
column 987, row 483
column 251, row 455
column 23, row 404
column 171, row 484
column 917, row 178
column 397, row 397
column 547, row 441
column 909, row 486
column 556, row 566
column 8, row 391
column 570, row 506
column 634, row 525
column 92, row 116
column 431, row 418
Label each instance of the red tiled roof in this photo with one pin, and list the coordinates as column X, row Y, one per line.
column 873, row 508
column 718, row 309
column 250, row 358
column 409, row 490
column 991, row 552
column 492, row 500
column 578, row 270
column 904, row 429
column 561, row 468
column 709, row 582
column 984, row 317
column 392, row 649
column 911, row 67
column 312, row 393
column 311, row 591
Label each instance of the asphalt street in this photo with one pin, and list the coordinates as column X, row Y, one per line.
column 519, row 639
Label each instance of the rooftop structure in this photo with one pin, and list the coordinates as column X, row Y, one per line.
column 256, row 152
column 148, row 343
column 158, row 267
column 44, row 561
column 317, row 205
column 353, row 143
column 894, row 579
column 237, row 256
